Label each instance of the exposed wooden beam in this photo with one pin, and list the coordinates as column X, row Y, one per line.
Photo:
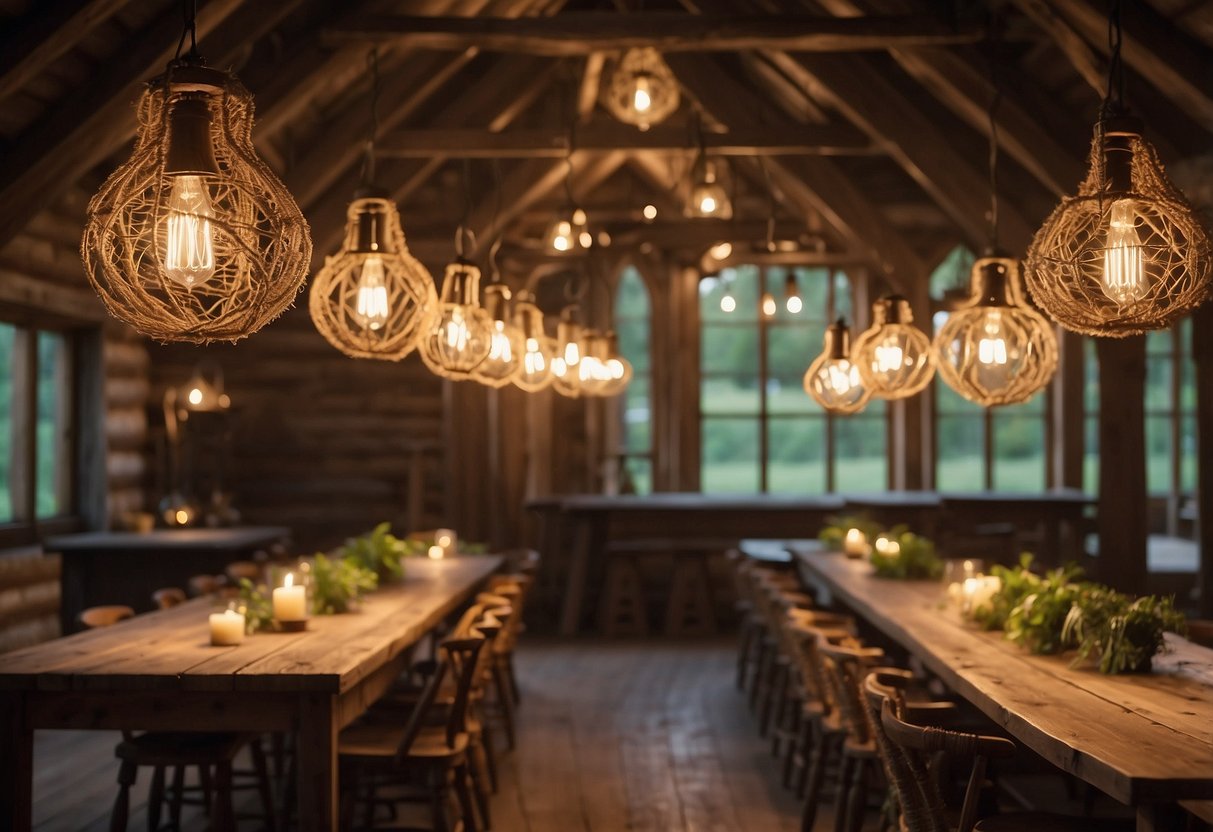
column 35, row 40
column 471, row 143
column 1090, row 67
column 1170, row 60
column 591, row 82
column 575, row 33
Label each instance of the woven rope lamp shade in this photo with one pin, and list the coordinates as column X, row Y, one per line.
column 996, row 350
column 373, row 298
column 1127, row 253
column 194, row 238
column 535, row 373
column 893, row 357
column 504, row 361
column 460, row 333
column 643, row 91
column 619, row 370
column 832, row 379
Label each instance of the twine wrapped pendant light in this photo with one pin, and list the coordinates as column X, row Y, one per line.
column 893, row 356
column 832, row 379
column 643, row 90
column 504, row 361
column 372, row 299
column 570, row 351
column 1128, row 253
column 539, row 350
column 460, row 334
column 194, row 238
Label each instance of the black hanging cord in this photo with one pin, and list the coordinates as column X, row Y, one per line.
column 463, row 231
column 494, row 269
column 992, row 115
column 189, row 28
column 766, row 175
column 1115, row 100
column 368, row 159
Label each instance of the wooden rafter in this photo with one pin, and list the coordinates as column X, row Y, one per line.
column 786, row 140
column 1090, row 67
column 591, row 82
column 575, row 33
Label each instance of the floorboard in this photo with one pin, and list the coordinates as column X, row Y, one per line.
column 645, row 736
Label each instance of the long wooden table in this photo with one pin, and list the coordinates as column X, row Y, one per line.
column 1145, row 740
column 159, row 672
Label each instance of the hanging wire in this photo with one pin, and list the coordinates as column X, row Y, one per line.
column 189, row 28
column 463, row 232
column 1115, row 99
column 494, row 269
column 368, row 158
column 992, row 115
column 766, row 175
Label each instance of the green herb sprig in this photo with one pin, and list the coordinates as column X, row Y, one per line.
column 339, row 583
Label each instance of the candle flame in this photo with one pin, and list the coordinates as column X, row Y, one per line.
column 290, row 579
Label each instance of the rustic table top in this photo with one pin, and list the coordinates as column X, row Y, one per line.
column 1140, row 738
column 238, row 537
column 171, row 650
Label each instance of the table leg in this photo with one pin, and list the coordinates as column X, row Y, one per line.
column 1159, row 817
column 316, row 738
column 579, row 568
column 16, row 762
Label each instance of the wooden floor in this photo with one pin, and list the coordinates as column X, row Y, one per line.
column 613, row 736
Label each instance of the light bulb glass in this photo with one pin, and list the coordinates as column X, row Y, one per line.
column 707, row 204
column 642, row 98
column 371, row 308
column 893, row 357
column 461, row 333
column 650, row 212
column 721, row 250
column 832, row 379
column 195, row 396
column 1124, row 275
column 535, row 372
column 794, row 304
column 769, row 307
column 728, row 303
column 189, row 256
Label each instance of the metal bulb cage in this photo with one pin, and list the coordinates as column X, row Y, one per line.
column 1068, row 262
column 642, row 68
column 372, row 299
column 535, row 372
column 707, row 190
column 996, row 350
column 460, row 333
column 570, row 345
column 832, row 379
column 504, row 361
column 893, row 357
column 194, row 168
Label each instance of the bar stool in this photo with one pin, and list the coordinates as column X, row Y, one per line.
column 105, row 616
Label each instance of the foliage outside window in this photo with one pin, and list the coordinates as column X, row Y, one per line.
column 36, row 430
column 977, row 448
column 632, row 325
column 760, row 432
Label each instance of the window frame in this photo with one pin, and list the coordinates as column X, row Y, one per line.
column 622, row 452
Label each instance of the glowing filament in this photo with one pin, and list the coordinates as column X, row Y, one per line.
column 642, row 98
column 372, row 309
column 728, row 303
column 768, row 305
column 889, row 357
column 572, row 354
column 842, row 377
column 707, row 204
column 1124, row 275
column 795, row 304
column 189, row 257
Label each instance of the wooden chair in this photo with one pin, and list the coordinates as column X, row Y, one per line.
column 169, row 596
column 105, row 616
column 379, row 750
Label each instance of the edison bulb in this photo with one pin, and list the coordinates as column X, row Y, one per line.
column 189, row 256
column 650, row 211
column 769, row 306
column 372, row 309
column 195, row 396
column 562, row 240
column 795, row 304
column 506, row 344
column 707, row 204
column 992, row 349
column 893, row 357
column 642, row 96
column 538, row 350
column 832, row 379
column 1124, row 275
column 728, row 303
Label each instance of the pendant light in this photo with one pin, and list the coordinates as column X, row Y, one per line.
column 460, row 334
column 568, row 232
column 372, row 298
column 504, row 361
column 570, row 349
column 593, row 377
column 642, row 91
column 832, row 379
column 203, row 392
column 194, row 238
column 893, row 356
column 539, row 350
column 791, row 294
column 1128, row 253
column 619, row 370
column 995, row 349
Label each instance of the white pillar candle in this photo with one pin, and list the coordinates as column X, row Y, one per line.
column 290, row 601
column 436, row 553
column 227, row 628
column 855, row 545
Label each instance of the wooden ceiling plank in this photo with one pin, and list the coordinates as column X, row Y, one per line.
column 591, row 82
column 38, row 39
column 475, row 143
column 1090, row 67
column 575, row 33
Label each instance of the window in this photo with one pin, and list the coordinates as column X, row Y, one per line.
column 36, row 430
column 632, row 325
column 978, row 448
column 760, row 432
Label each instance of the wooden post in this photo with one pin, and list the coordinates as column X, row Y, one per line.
column 1069, row 423
column 17, row 761
column 1122, row 463
column 1202, row 354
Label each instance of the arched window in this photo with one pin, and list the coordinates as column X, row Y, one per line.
column 632, row 325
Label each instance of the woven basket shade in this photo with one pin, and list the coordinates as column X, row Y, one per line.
column 261, row 243
column 460, row 333
column 504, row 361
column 996, row 350
column 373, row 298
column 893, row 357
column 535, row 373
column 832, row 379
column 642, row 66
column 1065, row 263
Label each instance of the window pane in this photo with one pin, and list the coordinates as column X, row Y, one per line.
column 953, row 272
column 8, row 403
column 1090, row 462
column 632, row 296
column 1187, row 458
column 1019, row 451
column 634, row 342
column 637, row 419
column 843, row 308
column 1158, row 454
column 961, row 458
column 1158, row 383
column 741, row 283
column 730, row 461
column 796, row 455
column 859, row 451
column 637, row 476
column 785, row 395
column 53, row 426
column 1091, row 388
column 736, row 395
column 730, row 349
column 790, row 349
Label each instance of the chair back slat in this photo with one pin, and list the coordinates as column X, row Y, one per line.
column 421, row 709
column 462, row 655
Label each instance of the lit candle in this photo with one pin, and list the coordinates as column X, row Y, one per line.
column 436, row 553
column 887, row 547
column 446, row 540
column 290, row 601
column 227, row 628
column 977, row 592
column 855, row 545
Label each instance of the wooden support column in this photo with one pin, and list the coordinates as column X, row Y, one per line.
column 1122, row 463
column 1202, row 354
column 1069, row 423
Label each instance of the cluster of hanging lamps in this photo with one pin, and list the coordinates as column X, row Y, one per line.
column 568, row 232
column 893, row 356
column 643, row 90
column 460, row 333
column 1128, row 253
column 832, row 379
column 194, row 238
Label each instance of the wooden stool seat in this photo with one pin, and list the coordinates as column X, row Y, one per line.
column 623, row 603
column 105, row 616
